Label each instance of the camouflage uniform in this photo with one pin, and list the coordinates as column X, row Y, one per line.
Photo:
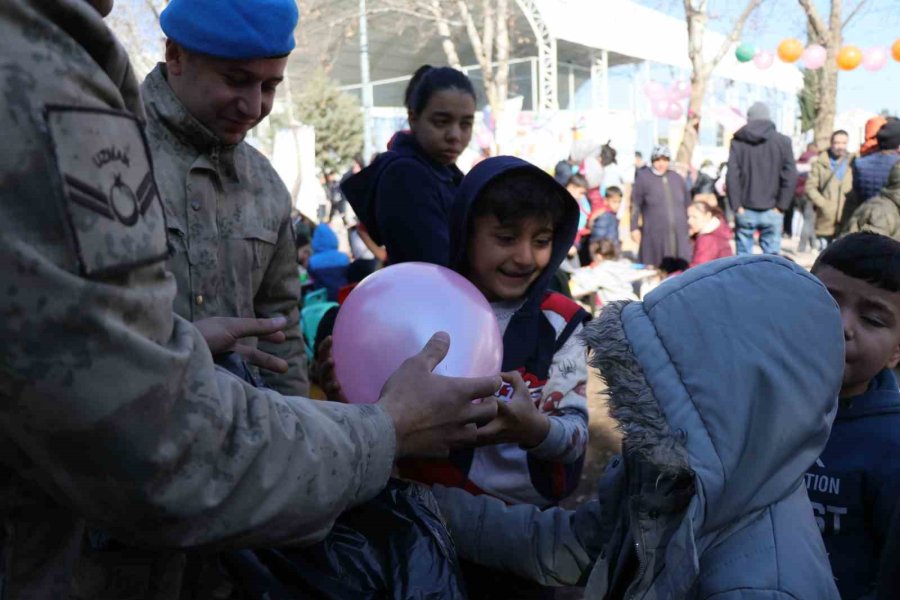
column 229, row 220
column 111, row 410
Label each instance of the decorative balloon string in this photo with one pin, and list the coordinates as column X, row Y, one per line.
column 814, row 56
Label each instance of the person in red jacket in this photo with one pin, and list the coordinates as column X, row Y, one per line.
column 712, row 237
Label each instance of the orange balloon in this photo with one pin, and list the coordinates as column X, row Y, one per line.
column 849, row 57
column 790, row 50
column 895, row 50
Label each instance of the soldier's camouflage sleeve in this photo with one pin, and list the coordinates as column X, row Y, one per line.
column 279, row 294
column 107, row 400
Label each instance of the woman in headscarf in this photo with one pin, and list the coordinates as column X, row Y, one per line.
column 659, row 204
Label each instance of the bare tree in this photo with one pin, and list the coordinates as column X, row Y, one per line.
column 697, row 17
column 831, row 36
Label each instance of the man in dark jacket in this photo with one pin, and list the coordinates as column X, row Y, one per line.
column 761, row 179
column 870, row 173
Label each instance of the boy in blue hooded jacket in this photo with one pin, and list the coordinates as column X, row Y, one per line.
column 855, row 484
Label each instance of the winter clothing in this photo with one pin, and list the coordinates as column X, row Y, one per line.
column 713, row 243
column 881, row 214
column 889, row 135
column 829, row 184
column 124, row 421
column 228, row 216
column 233, row 29
column 870, row 145
column 661, row 151
column 563, row 172
column 709, row 500
column 605, row 227
column 538, row 341
column 404, row 198
column 855, row 485
column 328, row 265
column 662, row 201
column 889, row 573
column 870, row 174
column 761, row 170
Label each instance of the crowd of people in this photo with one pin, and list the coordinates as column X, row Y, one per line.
column 166, row 319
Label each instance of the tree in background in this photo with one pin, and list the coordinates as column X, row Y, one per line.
column 702, row 65
column 807, row 100
column 336, row 118
column 831, row 36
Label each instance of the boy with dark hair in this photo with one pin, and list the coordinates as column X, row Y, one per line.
column 605, row 222
column 855, row 484
column 511, row 227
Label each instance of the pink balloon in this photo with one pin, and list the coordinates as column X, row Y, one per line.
column 392, row 314
column 764, row 59
column 674, row 111
column 814, row 56
column 655, row 90
column 682, row 89
column 874, row 59
column 661, row 108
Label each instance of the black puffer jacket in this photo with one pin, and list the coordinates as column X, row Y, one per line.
column 761, row 169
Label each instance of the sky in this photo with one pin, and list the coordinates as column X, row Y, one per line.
column 877, row 24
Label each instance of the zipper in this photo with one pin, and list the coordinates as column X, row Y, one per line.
column 639, row 545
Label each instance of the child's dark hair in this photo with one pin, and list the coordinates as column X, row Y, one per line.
column 868, row 256
column 428, row 80
column 577, row 180
column 614, row 190
column 673, row 264
column 607, row 249
column 521, row 194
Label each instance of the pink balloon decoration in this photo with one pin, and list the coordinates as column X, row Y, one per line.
column 875, row 59
column 655, row 90
column 661, row 108
column 674, row 111
column 814, row 56
column 764, row 59
column 682, row 89
column 392, row 314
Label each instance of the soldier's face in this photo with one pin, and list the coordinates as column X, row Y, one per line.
column 230, row 97
column 104, row 7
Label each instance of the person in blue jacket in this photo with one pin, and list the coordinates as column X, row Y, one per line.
column 855, row 484
column 328, row 265
column 403, row 198
column 724, row 381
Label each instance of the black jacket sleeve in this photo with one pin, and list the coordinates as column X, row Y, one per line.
column 788, row 176
column 733, row 178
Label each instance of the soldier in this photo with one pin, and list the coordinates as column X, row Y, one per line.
column 227, row 211
column 111, row 409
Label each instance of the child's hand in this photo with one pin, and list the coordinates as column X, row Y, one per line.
column 518, row 420
column 325, row 369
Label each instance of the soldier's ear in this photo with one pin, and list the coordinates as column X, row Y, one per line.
column 175, row 57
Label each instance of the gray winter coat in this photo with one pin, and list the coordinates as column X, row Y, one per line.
column 724, row 382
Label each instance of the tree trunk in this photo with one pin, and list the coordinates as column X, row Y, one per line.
column 826, row 103
column 699, row 82
column 443, row 28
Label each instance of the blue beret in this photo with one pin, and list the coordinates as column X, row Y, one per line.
column 235, row 29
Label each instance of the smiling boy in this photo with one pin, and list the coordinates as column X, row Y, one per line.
column 227, row 211
column 855, row 484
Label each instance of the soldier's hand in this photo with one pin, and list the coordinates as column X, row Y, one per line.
column 227, row 334
column 324, row 367
column 432, row 413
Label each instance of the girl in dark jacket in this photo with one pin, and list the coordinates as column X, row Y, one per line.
column 404, row 197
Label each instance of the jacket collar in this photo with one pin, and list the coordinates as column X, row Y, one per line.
column 164, row 106
column 882, row 397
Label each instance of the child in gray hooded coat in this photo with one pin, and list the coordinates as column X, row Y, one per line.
column 724, row 382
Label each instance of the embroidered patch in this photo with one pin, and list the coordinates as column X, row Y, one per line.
column 111, row 198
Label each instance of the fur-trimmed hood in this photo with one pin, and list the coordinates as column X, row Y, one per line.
column 746, row 412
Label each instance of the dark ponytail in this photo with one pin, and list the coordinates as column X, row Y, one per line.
column 428, row 80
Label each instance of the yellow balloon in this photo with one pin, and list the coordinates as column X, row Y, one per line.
column 849, row 57
column 790, row 50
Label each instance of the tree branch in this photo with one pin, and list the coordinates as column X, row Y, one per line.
column 815, row 19
column 853, row 13
column 736, row 31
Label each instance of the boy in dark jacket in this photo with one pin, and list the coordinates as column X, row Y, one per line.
column 855, row 484
column 511, row 226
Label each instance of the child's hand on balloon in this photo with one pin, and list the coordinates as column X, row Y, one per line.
column 325, row 368
column 518, row 420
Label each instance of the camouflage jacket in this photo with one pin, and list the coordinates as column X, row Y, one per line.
column 229, row 220
column 111, row 409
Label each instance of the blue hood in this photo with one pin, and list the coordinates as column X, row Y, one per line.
column 325, row 250
column 324, row 239
column 360, row 189
column 741, row 360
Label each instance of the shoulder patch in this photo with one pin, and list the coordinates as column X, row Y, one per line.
column 559, row 304
column 111, row 198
